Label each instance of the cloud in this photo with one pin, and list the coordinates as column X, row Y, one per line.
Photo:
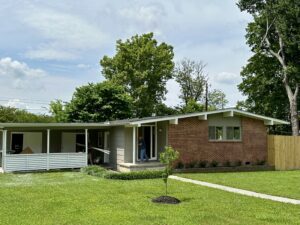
column 19, row 74
column 143, row 18
column 16, row 103
column 83, row 66
column 227, row 78
column 65, row 35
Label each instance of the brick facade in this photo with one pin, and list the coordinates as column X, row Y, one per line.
column 190, row 138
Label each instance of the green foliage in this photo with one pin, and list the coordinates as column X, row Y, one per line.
column 192, row 106
column 216, row 100
column 227, row 163
column 274, row 69
column 192, row 80
column 97, row 171
column 13, row 115
column 238, row 163
column 98, row 103
column 168, row 157
column 57, row 109
column 135, row 175
column 214, row 163
column 143, row 67
column 202, row 163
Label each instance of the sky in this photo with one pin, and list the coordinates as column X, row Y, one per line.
column 48, row 48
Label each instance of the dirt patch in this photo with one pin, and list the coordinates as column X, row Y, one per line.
column 166, row 200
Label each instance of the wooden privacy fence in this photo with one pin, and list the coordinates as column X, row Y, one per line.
column 284, row 152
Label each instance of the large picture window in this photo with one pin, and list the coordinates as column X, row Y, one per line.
column 218, row 133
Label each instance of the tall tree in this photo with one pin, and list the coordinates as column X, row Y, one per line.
column 192, row 79
column 275, row 32
column 58, row 111
column 143, row 67
column 216, row 100
column 99, row 102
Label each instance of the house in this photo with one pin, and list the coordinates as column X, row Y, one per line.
column 222, row 135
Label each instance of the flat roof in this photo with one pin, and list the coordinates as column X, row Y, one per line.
column 229, row 112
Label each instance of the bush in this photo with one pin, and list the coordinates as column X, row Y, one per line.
column 97, row 171
column 135, row 175
column 227, row 163
column 238, row 163
column 202, row 163
column 214, row 163
column 179, row 165
column 191, row 164
column 260, row 162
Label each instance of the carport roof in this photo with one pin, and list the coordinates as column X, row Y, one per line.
column 173, row 119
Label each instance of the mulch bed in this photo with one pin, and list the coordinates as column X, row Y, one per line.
column 166, row 200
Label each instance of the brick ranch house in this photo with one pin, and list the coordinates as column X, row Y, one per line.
column 222, row 135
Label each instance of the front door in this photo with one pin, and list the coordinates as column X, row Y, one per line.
column 147, row 132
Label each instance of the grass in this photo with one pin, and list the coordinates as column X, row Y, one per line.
column 280, row 183
column 76, row 198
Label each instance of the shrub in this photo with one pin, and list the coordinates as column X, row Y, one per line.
column 238, row 163
column 94, row 170
column 191, row 164
column 179, row 165
column 202, row 163
column 261, row 162
column 227, row 163
column 135, row 175
column 214, row 163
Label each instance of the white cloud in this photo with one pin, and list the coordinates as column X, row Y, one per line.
column 83, row 66
column 65, row 35
column 227, row 78
column 16, row 103
column 19, row 75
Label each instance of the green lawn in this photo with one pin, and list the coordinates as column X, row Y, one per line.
column 75, row 198
column 280, row 183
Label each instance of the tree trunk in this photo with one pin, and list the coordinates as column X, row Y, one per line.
column 293, row 108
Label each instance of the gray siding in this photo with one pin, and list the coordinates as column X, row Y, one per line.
column 128, row 145
column 162, row 136
column 117, row 141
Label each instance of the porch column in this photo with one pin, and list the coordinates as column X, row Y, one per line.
column 48, row 148
column 86, row 146
column 4, row 149
column 133, row 145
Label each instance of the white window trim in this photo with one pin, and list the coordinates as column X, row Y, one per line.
column 225, row 135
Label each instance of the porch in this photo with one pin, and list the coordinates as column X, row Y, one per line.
column 32, row 148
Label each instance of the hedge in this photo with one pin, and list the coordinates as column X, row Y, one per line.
column 97, row 171
column 135, row 175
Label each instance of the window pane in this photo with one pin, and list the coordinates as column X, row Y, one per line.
column 211, row 134
column 219, row 133
column 237, row 133
column 229, row 133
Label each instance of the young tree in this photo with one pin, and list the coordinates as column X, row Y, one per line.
column 192, row 79
column 99, row 102
column 167, row 157
column 143, row 67
column 275, row 33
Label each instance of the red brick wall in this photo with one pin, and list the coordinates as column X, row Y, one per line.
column 190, row 138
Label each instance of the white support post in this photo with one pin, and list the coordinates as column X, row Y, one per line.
column 4, row 149
column 48, row 149
column 155, row 135
column 86, row 146
column 133, row 145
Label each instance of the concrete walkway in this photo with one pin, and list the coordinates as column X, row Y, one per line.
column 238, row 191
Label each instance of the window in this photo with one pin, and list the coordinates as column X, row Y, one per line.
column 217, row 133
column 233, row 133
